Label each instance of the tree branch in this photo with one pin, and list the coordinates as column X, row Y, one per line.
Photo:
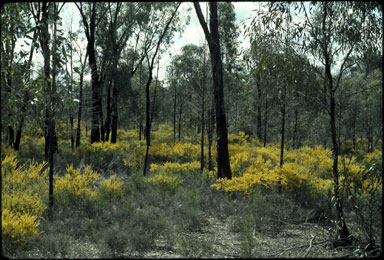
column 202, row 22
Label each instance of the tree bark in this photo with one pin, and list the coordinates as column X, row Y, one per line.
column 258, row 129
column 282, row 143
column 148, row 100
column 265, row 123
column 89, row 29
column 115, row 94
column 212, row 37
column 78, row 131
column 107, row 126
column 342, row 230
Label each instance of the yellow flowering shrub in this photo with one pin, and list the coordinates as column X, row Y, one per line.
column 76, row 183
column 176, row 168
column 24, row 197
column 18, row 225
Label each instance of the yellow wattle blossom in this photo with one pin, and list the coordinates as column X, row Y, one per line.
column 24, row 197
column 75, row 182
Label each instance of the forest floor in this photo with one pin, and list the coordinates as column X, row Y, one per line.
column 297, row 241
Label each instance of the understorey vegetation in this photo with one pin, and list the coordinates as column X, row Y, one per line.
column 114, row 211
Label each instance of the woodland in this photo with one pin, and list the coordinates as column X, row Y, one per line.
column 272, row 150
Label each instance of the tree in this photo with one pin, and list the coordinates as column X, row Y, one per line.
column 150, row 62
column 329, row 33
column 90, row 24
column 212, row 37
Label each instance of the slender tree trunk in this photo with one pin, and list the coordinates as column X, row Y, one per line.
column 294, row 137
column 174, row 116
column 354, row 128
column 148, row 100
column 147, row 123
column 180, row 113
column 212, row 37
column 107, row 127
column 258, row 130
column 95, row 131
column 282, row 143
column 115, row 94
column 211, row 125
column 78, row 132
column 265, row 122
column 89, row 29
column 342, row 230
column 202, row 118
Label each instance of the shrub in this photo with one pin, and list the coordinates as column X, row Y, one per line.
column 76, row 185
column 166, row 183
column 24, row 197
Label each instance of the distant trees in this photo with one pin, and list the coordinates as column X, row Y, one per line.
column 329, row 33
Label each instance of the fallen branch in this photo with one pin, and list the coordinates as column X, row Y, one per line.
column 310, row 246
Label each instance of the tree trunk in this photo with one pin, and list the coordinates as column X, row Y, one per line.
column 174, row 117
column 294, row 137
column 212, row 37
column 107, row 127
column 211, row 125
column 114, row 114
column 180, row 113
column 202, row 118
column 265, row 123
column 89, row 29
column 258, row 129
column 78, row 132
column 342, row 230
column 282, row 143
column 147, row 123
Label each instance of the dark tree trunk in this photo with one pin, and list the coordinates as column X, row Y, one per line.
column 354, row 128
column 294, row 137
column 282, row 143
column 95, row 131
column 147, row 123
column 202, row 118
column 180, row 113
column 78, row 132
column 342, row 230
column 258, row 129
column 16, row 145
column 174, row 116
column 11, row 136
column 212, row 37
column 107, row 126
column 89, row 29
column 265, row 123
column 211, row 125
column 50, row 135
column 148, row 100
column 114, row 114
